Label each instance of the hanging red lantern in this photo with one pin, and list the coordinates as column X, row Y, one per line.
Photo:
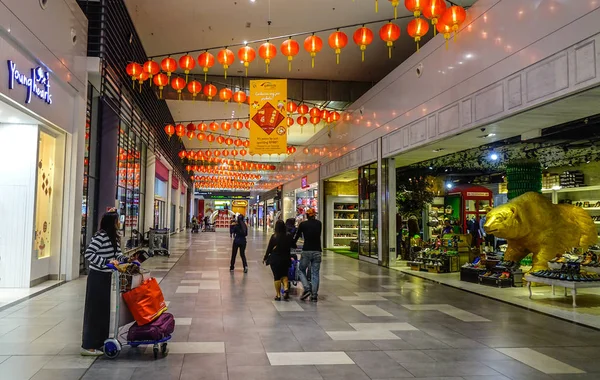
column 315, row 120
column 225, row 153
column 335, row 116
column 313, row 44
column 210, row 138
column 201, row 136
column 160, row 80
column 389, row 33
column 168, row 65
column 169, row 130
column 187, row 63
column 290, row 121
column 302, row 120
column 217, row 153
column 292, row 149
column 454, row 17
column 180, row 130
column 229, row 141
column 337, row 41
column 246, row 143
column 302, row 109
column 363, row 37
column 225, row 95
column 142, row 78
column 267, row 51
column 416, row 6
column 191, row 127
column 291, row 107
column 238, row 142
column 206, row 60
column 178, row 85
column 445, row 30
column 202, row 127
column 246, row 54
column 194, row 88
column 191, row 135
column 247, row 124
column 239, row 97
column 315, row 112
column 234, row 153
column 210, row 90
column 226, row 58
column 324, row 114
column 417, row 28
column 226, row 126
column 305, row 151
column 134, row 69
column 434, row 11
column 152, row 68
column 290, row 49
column 243, row 152
column 220, row 139
column 213, row 126
column 237, row 125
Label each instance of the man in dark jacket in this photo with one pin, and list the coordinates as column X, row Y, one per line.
column 310, row 230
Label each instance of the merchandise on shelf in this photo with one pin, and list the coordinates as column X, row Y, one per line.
column 345, row 224
column 571, row 179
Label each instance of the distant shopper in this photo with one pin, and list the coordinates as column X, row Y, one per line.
column 290, row 226
column 278, row 257
column 240, row 231
column 447, row 228
column 310, row 230
column 103, row 249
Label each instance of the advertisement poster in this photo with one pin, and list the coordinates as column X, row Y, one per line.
column 268, row 115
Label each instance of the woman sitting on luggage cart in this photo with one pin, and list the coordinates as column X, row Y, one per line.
column 103, row 249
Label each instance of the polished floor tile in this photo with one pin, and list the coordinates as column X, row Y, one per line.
column 372, row 311
column 308, row 358
column 393, row 326
column 541, row 362
column 194, row 348
column 187, row 289
column 363, row 335
column 287, row 306
column 450, row 310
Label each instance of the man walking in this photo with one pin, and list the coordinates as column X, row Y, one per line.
column 310, row 230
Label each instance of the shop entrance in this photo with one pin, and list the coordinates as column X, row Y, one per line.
column 341, row 214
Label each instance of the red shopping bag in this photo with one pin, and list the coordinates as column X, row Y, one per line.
column 146, row 302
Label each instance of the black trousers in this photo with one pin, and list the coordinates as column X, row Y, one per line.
column 96, row 314
column 234, row 250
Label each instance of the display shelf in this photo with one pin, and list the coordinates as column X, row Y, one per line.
column 571, row 189
column 345, row 210
column 573, row 285
column 345, row 237
column 344, row 228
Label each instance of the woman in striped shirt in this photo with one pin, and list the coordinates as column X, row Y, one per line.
column 103, row 249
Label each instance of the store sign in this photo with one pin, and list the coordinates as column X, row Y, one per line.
column 239, row 203
column 268, row 116
column 477, row 194
column 304, row 183
column 37, row 83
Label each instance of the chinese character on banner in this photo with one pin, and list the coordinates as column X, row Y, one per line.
column 268, row 115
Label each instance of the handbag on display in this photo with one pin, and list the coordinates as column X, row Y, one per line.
column 146, row 302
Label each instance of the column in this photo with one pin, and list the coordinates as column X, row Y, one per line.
column 169, row 198
column 109, row 148
column 150, row 191
column 177, row 202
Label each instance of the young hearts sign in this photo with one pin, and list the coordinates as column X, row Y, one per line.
column 268, row 113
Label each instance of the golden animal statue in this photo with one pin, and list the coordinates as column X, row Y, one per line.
column 531, row 223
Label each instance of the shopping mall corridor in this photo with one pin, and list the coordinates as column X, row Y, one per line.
column 370, row 323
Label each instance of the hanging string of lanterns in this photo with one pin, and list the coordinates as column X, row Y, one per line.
column 442, row 18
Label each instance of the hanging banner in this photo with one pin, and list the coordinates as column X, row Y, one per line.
column 268, row 115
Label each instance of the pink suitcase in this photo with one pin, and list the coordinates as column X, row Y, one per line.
column 157, row 330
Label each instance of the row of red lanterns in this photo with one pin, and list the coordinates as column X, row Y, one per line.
column 232, row 185
column 444, row 19
column 237, row 176
column 231, row 164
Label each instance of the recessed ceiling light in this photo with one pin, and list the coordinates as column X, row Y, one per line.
column 469, row 56
column 245, row 42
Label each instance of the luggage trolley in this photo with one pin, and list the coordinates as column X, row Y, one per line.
column 158, row 242
column 112, row 346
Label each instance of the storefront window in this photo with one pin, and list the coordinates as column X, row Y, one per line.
column 46, row 180
column 367, row 206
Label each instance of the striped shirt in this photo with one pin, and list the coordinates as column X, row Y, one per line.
column 101, row 251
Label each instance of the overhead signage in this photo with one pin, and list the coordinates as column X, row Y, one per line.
column 239, row 203
column 37, row 82
column 304, row 182
column 268, row 116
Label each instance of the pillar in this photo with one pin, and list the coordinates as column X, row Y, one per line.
column 150, row 191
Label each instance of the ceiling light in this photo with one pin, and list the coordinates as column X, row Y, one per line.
column 468, row 56
column 491, row 135
column 460, row 63
column 245, row 42
column 431, row 168
column 449, row 185
column 493, row 156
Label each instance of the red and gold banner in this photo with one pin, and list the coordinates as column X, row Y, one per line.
column 268, row 116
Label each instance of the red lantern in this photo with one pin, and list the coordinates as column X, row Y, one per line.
column 246, row 54
column 239, row 97
column 315, row 112
column 292, row 149
column 229, row 141
column 160, row 80
column 178, row 84
column 313, row 45
column 324, row 114
column 305, row 151
column 445, row 30
column 290, row 121
column 210, row 90
column 338, row 40
column 226, row 58
column 453, row 17
column 214, row 126
column 168, row 65
column 291, row 107
column 246, row 143
column 201, row 136
column 226, row 126
column 314, row 120
column 335, row 116
column 210, row 138
column 191, row 127
column 434, row 11
column 217, row 153
column 203, row 127
column 290, row 49
column 169, row 130
column 243, row 152
column 238, row 125
column 152, row 68
column 225, row 153
column 238, row 142
column 389, row 33
column 302, row 120
column 416, row 6
column 191, row 135
column 247, row 124
column 234, row 153
column 142, row 78
column 180, row 130
column 187, row 63
column 194, row 88
column 225, row 95
column 220, row 139
column 302, row 109
column 206, row 61
column 363, row 38
column 267, row 51
column 134, row 69
column 417, row 28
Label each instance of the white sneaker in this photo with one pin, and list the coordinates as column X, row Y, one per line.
column 85, row 352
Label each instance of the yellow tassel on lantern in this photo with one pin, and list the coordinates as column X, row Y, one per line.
column 312, row 55
column 337, row 55
column 376, row 6
column 390, row 44
column 290, row 63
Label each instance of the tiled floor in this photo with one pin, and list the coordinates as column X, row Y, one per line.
column 370, row 323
